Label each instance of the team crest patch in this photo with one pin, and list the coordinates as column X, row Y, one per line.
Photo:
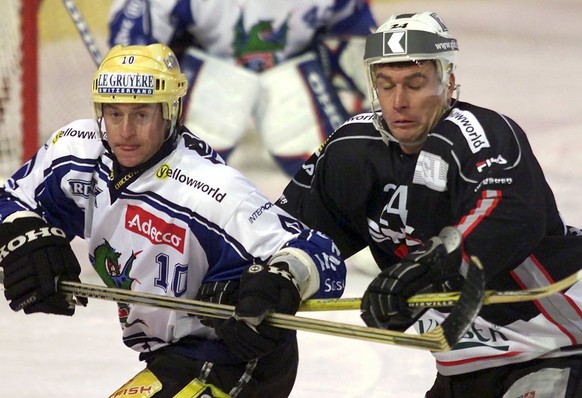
column 431, row 171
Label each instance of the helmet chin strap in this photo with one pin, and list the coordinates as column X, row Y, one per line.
column 454, row 97
column 377, row 122
column 99, row 121
column 174, row 122
column 387, row 137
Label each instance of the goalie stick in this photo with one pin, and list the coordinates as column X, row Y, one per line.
column 449, row 299
column 442, row 338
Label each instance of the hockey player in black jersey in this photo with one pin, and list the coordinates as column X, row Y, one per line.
column 393, row 179
column 163, row 214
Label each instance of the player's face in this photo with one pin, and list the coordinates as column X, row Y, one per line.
column 412, row 98
column 135, row 132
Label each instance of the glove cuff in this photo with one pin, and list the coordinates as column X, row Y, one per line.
column 30, row 231
column 20, row 214
column 302, row 267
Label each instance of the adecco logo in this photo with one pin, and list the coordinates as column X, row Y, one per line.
column 155, row 229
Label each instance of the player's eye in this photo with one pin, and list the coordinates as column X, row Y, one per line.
column 386, row 86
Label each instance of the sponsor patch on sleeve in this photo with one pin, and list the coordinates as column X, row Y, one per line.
column 361, row 118
column 471, row 129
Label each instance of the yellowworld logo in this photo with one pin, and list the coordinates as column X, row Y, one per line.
column 163, row 172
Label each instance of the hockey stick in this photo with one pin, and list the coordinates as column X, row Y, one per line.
column 83, row 30
column 449, row 299
column 442, row 338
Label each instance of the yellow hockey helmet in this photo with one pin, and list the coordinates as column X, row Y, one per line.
column 141, row 74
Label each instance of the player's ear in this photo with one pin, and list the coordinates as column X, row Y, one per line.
column 451, row 86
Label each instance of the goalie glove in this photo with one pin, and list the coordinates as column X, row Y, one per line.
column 35, row 256
column 433, row 267
column 264, row 289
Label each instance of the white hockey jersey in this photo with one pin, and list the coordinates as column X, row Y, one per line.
column 275, row 64
column 184, row 220
column 255, row 33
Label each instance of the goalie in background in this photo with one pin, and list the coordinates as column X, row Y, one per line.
column 268, row 64
column 426, row 181
column 163, row 214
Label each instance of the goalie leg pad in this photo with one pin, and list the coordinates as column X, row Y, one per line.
column 344, row 60
column 297, row 108
column 220, row 100
column 145, row 384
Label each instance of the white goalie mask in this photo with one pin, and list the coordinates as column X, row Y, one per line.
column 408, row 38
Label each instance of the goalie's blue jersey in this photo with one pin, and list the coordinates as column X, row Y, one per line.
column 165, row 229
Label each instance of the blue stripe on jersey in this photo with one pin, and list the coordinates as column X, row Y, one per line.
column 56, row 207
column 142, row 340
column 360, row 23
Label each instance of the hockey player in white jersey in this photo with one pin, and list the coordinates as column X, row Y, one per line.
column 270, row 62
column 163, row 214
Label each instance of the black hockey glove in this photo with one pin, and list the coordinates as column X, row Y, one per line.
column 224, row 292
column 263, row 289
column 433, row 267
column 34, row 256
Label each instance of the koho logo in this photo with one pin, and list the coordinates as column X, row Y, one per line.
column 158, row 231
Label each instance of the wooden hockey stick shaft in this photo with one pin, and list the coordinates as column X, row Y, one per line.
column 442, row 338
column 450, row 298
column 195, row 307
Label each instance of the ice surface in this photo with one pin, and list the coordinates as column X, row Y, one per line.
column 521, row 58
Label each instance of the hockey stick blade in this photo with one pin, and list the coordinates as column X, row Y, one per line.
column 469, row 304
column 448, row 299
column 442, row 338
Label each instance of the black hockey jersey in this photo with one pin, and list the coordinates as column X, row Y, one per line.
column 478, row 173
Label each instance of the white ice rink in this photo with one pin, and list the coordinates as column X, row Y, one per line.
column 522, row 58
